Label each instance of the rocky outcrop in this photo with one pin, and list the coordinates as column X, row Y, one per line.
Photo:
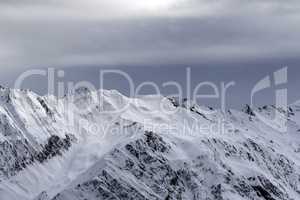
column 144, row 169
column 18, row 154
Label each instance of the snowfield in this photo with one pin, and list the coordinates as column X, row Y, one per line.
column 115, row 147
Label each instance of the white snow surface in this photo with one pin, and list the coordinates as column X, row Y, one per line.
column 112, row 121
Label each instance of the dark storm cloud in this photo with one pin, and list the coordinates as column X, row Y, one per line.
column 66, row 33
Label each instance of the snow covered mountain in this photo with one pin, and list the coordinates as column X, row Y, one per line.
column 103, row 145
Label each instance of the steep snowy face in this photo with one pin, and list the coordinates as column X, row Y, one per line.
column 154, row 167
column 28, row 132
column 102, row 145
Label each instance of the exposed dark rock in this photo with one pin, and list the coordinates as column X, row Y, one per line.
column 54, row 146
column 18, row 154
column 248, row 110
column 45, row 106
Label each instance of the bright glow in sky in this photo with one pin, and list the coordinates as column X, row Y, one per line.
column 155, row 5
column 124, row 9
column 148, row 32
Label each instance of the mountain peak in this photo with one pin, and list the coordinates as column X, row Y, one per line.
column 141, row 151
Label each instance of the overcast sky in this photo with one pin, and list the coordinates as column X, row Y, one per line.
column 38, row 33
column 157, row 33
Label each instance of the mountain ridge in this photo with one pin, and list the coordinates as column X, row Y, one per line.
column 110, row 147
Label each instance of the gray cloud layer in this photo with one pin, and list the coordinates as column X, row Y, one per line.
column 84, row 32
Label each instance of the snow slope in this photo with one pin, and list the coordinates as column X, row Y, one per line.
column 114, row 147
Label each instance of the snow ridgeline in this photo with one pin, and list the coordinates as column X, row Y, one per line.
column 45, row 157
